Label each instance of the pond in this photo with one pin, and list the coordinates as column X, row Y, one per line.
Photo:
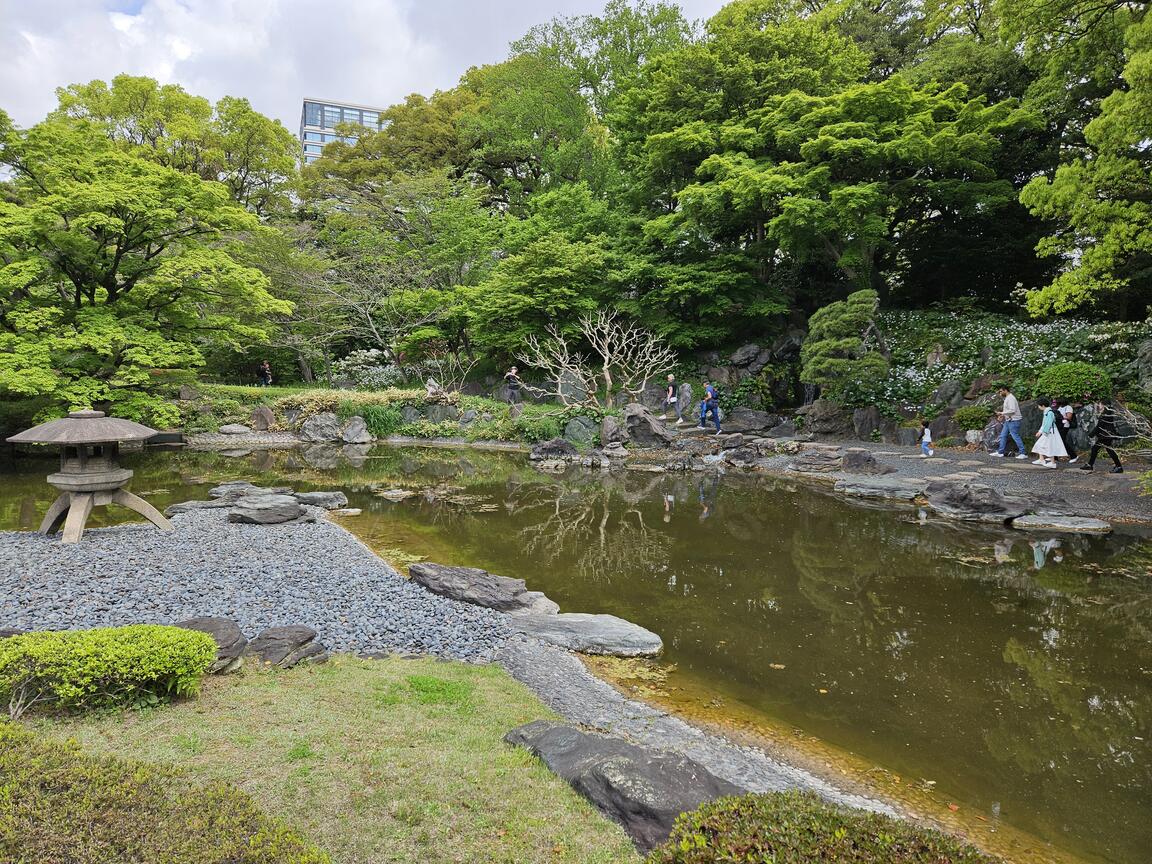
column 1010, row 675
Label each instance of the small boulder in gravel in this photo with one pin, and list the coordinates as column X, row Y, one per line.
column 641, row 788
column 266, row 510
column 262, row 418
column 325, row 500
column 481, row 588
column 356, row 432
column 591, row 634
column 858, row 460
column 5, row 632
column 320, row 428
column 234, row 429
column 230, row 641
column 286, row 646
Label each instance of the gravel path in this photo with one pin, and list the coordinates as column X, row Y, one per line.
column 259, row 576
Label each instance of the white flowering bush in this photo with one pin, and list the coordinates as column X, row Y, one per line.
column 368, row 369
column 969, row 344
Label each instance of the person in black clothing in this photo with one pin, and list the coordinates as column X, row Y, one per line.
column 512, row 380
column 1065, row 423
column 1104, row 437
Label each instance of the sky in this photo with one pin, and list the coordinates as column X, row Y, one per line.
column 274, row 52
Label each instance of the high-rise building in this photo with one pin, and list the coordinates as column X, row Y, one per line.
column 318, row 119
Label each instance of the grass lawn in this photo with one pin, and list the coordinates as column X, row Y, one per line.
column 374, row 761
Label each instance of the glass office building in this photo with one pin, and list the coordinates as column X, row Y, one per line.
column 318, row 120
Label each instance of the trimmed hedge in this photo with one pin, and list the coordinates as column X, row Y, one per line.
column 107, row 666
column 800, row 828
column 973, row 416
column 61, row 806
column 1074, row 381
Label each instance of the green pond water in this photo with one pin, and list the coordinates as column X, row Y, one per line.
column 1013, row 670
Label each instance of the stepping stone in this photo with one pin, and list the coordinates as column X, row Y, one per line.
column 590, row 634
column 898, row 488
column 999, row 471
column 962, row 476
column 1071, row 524
column 971, row 463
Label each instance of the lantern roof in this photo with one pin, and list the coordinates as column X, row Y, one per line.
column 84, row 427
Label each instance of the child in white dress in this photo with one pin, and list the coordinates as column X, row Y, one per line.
column 1048, row 446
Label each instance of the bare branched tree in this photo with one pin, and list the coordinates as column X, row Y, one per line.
column 626, row 358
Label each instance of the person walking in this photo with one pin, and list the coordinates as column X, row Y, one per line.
column 1011, row 416
column 1048, row 447
column 710, row 405
column 512, row 382
column 926, row 440
column 265, row 374
column 1103, row 438
column 1065, row 423
column 672, row 399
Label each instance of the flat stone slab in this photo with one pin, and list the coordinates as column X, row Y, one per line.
column 996, row 471
column 971, row 463
column 591, row 634
column 893, row 488
column 1070, row 524
column 641, row 788
column 481, row 588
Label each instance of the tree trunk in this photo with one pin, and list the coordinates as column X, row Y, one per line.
column 305, row 368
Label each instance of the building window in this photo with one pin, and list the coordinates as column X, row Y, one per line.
column 311, row 114
column 352, row 115
column 371, row 119
column 315, row 136
column 331, row 116
column 313, row 148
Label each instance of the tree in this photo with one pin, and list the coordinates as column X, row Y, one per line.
column 844, row 344
column 112, row 267
column 626, row 356
column 252, row 155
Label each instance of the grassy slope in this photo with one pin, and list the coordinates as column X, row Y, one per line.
column 375, row 761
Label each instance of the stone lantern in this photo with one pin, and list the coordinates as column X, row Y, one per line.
column 89, row 475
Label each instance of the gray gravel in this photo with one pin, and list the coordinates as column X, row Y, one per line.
column 259, row 576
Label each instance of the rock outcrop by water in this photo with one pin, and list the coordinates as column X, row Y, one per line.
column 642, row 789
column 644, row 428
column 481, row 588
column 591, row 634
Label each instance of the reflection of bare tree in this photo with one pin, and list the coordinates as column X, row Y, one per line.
column 598, row 525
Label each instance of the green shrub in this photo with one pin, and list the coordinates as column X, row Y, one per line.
column 1074, row 381
column 381, row 420
column 973, row 416
column 948, row 441
column 62, row 806
column 108, row 666
column 800, row 828
column 309, row 402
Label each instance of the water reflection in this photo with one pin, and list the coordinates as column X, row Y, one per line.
column 1013, row 670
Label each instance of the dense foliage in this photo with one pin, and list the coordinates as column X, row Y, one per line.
column 842, row 345
column 1075, row 380
column 62, row 806
column 716, row 183
column 107, row 666
column 800, row 828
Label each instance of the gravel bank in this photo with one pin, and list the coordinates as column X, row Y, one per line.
column 259, row 576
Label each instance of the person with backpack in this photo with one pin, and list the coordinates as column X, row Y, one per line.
column 1049, row 447
column 1065, row 423
column 710, row 405
column 1104, row 437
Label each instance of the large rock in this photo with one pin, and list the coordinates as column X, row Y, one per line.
column 1069, row 524
column 950, row 393
column 644, row 429
column 481, row 588
column 945, row 426
column 230, row 641
column 266, row 510
column 972, row 502
column 234, row 429
column 825, row 417
column 982, row 385
column 581, row 431
column 262, row 418
column 612, row 431
column 438, row 412
column 410, row 414
column 891, row 488
column 784, row 429
column 684, row 395
column 857, row 460
column 233, row 490
column 320, row 428
column 325, row 500
column 592, row 634
column 187, row 393
column 570, row 387
column 355, row 431
column 286, row 646
column 818, row 459
column 866, row 421
column 749, row 420
column 744, row 355
column 557, row 448
column 642, row 789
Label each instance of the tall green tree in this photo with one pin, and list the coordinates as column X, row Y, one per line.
column 112, row 267
column 844, row 345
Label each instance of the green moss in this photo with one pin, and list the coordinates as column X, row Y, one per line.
column 800, row 828
column 60, row 805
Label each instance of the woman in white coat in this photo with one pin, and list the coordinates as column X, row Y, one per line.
column 1048, row 446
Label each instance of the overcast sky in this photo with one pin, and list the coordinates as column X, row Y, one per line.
column 274, row 52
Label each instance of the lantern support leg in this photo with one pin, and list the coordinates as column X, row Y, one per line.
column 55, row 514
column 133, row 502
column 78, row 513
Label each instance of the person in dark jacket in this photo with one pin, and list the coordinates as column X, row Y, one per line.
column 1103, row 438
column 1065, row 423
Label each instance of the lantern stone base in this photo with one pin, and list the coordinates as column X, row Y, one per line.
column 80, row 493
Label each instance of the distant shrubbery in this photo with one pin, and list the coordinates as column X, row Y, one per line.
column 61, row 805
column 800, row 828
column 107, row 666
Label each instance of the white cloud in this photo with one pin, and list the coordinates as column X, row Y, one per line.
column 274, row 52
